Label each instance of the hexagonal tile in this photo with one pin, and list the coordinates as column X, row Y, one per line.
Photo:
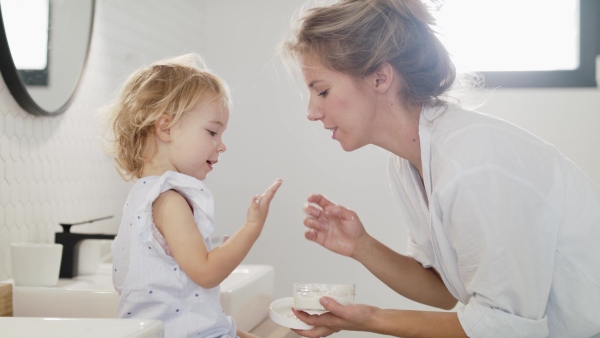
column 4, row 193
column 4, row 147
column 9, row 217
column 19, row 170
column 15, row 192
column 9, row 170
column 19, row 216
column 9, row 125
column 19, row 127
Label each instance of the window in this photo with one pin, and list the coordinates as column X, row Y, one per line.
column 28, row 39
column 524, row 43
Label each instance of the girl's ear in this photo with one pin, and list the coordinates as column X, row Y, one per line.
column 382, row 78
column 162, row 128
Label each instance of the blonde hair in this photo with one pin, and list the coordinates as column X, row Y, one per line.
column 355, row 37
column 172, row 87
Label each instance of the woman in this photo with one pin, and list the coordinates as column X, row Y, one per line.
column 498, row 220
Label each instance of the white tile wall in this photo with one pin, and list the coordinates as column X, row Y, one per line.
column 52, row 169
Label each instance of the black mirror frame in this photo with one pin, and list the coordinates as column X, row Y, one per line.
column 16, row 86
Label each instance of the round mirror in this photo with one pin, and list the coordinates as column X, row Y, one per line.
column 44, row 45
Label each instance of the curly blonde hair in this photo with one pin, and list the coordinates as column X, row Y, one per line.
column 355, row 37
column 172, row 87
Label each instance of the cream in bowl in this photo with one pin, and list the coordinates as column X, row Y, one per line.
column 307, row 295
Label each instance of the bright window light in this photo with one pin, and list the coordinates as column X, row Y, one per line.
column 28, row 39
column 511, row 35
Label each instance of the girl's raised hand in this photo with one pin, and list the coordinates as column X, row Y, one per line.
column 259, row 208
column 332, row 226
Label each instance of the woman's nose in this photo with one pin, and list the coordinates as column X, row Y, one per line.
column 314, row 114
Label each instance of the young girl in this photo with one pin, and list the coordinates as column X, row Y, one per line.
column 168, row 124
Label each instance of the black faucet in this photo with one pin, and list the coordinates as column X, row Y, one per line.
column 70, row 242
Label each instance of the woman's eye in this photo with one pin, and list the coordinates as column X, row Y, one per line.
column 324, row 93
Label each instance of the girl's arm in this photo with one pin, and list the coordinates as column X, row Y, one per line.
column 175, row 220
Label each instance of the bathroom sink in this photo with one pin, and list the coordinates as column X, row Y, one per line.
column 20, row 327
column 245, row 295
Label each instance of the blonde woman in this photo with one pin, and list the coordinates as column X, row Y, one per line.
column 168, row 125
column 498, row 220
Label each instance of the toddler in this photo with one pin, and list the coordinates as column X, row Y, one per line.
column 167, row 126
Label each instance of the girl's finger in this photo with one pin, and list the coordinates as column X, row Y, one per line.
column 270, row 192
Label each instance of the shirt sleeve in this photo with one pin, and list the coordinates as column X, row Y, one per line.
column 502, row 229
column 415, row 251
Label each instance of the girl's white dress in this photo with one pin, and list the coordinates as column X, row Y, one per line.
column 150, row 282
column 511, row 225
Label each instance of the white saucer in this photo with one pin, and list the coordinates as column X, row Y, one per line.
column 281, row 313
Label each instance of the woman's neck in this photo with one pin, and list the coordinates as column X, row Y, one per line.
column 399, row 133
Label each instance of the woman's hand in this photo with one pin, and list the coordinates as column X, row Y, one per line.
column 333, row 226
column 355, row 317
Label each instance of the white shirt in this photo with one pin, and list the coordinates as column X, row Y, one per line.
column 149, row 280
column 511, row 225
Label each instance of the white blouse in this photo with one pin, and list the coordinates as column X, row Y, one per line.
column 511, row 225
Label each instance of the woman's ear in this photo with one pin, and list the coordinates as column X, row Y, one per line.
column 382, row 78
column 162, row 128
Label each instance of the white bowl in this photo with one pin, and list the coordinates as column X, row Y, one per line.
column 281, row 313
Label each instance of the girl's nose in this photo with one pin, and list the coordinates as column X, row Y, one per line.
column 221, row 147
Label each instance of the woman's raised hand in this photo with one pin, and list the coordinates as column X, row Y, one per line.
column 332, row 226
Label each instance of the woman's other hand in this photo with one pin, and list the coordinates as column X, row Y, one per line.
column 354, row 317
column 333, row 226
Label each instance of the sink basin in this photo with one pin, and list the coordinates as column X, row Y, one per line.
column 245, row 295
column 19, row 327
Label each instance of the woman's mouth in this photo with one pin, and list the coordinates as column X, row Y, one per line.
column 333, row 131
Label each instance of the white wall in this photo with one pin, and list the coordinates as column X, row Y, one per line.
column 52, row 168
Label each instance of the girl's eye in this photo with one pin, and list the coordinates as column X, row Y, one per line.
column 212, row 133
column 324, row 93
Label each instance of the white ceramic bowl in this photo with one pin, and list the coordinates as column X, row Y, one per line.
column 281, row 313
column 35, row 264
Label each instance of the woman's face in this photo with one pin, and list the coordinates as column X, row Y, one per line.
column 344, row 106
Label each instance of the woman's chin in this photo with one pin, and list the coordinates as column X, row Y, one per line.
column 350, row 147
column 346, row 149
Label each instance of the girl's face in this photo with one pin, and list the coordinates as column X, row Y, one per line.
column 340, row 103
column 197, row 139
